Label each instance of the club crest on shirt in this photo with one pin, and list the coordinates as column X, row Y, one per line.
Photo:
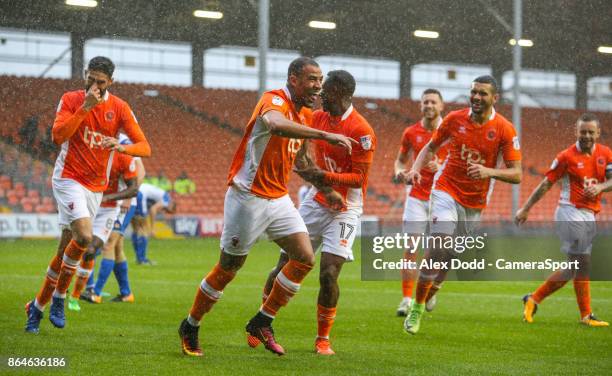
column 580, row 165
column 601, row 161
column 491, row 135
column 277, row 101
column 419, row 139
column 109, row 115
column 462, row 129
column 71, row 206
column 366, row 142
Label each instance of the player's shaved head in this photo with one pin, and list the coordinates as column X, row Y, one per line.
column 343, row 81
column 588, row 117
column 297, row 66
column 102, row 64
column 432, row 91
column 487, row 79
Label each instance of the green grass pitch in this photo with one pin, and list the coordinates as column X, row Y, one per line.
column 476, row 328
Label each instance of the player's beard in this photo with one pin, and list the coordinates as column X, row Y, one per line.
column 478, row 108
column 586, row 144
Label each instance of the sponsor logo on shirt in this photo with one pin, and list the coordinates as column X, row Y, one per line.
column 330, row 164
column 92, row 139
column 294, row 145
column 471, row 155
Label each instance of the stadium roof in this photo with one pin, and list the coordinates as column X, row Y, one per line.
column 565, row 33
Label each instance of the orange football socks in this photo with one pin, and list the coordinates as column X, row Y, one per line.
column 46, row 291
column 554, row 282
column 286, row 285
column 325, row 320
column 72, row 256
column 209, row 292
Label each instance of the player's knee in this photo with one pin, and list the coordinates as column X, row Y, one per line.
column 83, row 240
column 328, row 277
column 231, row 263
column 308, row 259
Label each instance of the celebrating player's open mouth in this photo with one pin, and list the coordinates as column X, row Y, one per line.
column 312, row 96
column 476, row 106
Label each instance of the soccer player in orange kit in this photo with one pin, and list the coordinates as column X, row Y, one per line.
column 475, row 137
column 585, row 169
column 257, row 201
column 333, row 208
column 416, row 208
column 86, row 127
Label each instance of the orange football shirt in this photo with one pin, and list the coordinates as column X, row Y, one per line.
column 415, row 137
column 82, row 157
column 578, row 171
column 336, row 159
column 476, row 143
column 262, row 164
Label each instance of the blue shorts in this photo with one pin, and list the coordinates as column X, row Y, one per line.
column 141, row 205
column 123, row 220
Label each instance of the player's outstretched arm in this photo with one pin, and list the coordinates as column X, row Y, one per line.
column 283, row 127
column 536, row 195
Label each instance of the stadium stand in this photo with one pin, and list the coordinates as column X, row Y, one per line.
column 197, row 130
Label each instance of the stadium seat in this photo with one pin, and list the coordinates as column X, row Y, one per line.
column 214, row 126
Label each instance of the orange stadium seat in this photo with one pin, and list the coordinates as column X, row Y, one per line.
column 197, row 130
